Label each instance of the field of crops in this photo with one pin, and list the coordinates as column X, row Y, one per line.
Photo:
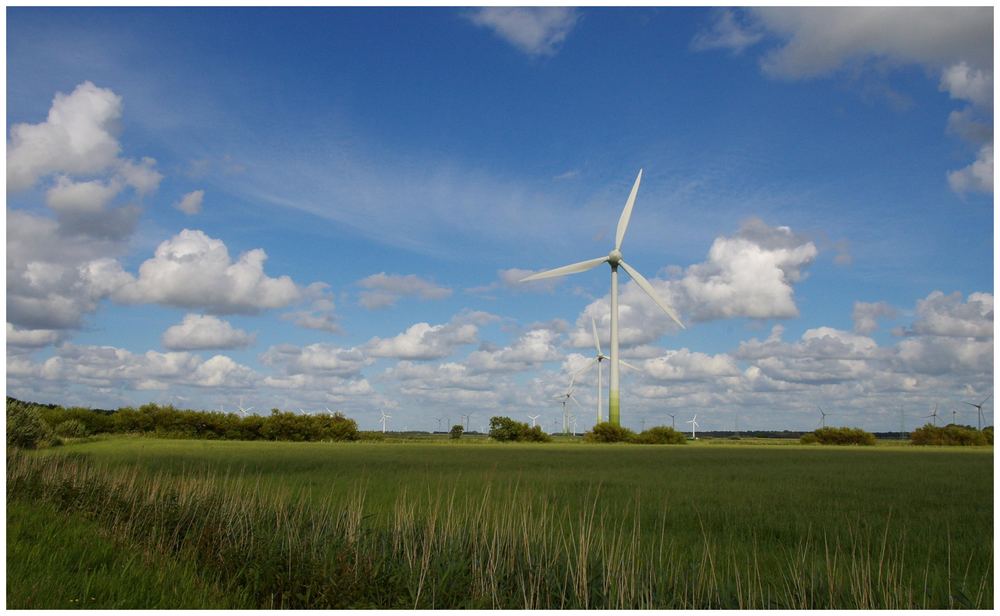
column 563, row 525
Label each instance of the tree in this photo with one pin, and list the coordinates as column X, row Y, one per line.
column 607, row 432
column 456, row 431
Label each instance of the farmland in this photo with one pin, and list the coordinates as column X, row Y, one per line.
column 445, row 524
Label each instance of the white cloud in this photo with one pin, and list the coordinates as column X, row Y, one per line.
column 192, row 270
column 199, row 331
column 536, row 31
column 978, row 176
column 78, row 138
column 190, row 203
column 684, row 365
column 726, row 32
column 947, row 315
column 867, row 314
column 140, row 176
column 32, row 338
column 83, row 208
column 750, row 274
column 956, row 42
column 318, row 359
column 530, row 349
column 383, row 290
column 424, row 341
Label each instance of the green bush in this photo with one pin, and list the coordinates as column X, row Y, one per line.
column 809, row 438
column 25, row 427
column 661, row 435
column 839, row 436
column 505, row 429
column 951, row 435
column 456, row 431
column 606, row 432
column 71, row 428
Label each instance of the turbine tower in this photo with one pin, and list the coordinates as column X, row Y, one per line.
column 979, row 409
column 564, row 400
column 533, row 418
column 384, row 419
column 673, row 422
column 694, row 425
column 934, row 415
column 614, row 259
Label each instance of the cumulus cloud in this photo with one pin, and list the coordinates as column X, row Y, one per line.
column 190, row 203
column 978, row 176
column 948, row 315
column 32, row 338
column 536, row 31
column 316, row 359
column 199, row 331
column 425, row 341
column 867, row 314
column 383, row 290
column 108, row 366
column 749, row 274
column 684, row 364
column 78, row 137
column 193, row 270
column 529, row 350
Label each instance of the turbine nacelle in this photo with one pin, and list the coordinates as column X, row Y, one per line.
column 615, row 257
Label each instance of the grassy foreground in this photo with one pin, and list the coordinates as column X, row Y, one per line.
column 515, row 526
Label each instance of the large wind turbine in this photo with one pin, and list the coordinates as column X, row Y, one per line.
column 384, row 419
column 823, row 415
column 614, row 259
column 979, row 408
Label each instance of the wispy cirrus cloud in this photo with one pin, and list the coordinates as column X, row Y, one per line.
column 536, row 31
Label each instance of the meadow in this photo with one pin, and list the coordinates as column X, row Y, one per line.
column 443, row 524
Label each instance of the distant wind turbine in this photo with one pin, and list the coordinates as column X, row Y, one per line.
column 694, row 425
column 243, row 411
column 823, row 416
column 533, row 418
column 954, row 418
column 614, row 259
column 438, row 420
column 564, row 399
column 934, row 414
column 979, row 409
column 384, row 419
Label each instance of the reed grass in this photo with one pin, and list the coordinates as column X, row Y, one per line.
column 499, row 547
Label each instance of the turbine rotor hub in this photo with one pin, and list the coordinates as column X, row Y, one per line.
column 615, row 257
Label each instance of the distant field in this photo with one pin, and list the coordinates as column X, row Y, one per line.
column 708, row 524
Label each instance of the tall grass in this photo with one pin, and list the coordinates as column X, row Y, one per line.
column 503, row 547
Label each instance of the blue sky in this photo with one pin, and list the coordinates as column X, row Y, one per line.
column 816, row 203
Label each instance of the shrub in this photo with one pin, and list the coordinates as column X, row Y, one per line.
column 661, row 435
column 505, row 429
column 25, row 427
column 71, row 428
column 456, row 431
column 840, row 436
column 606, row 432
column 951, row 435
column 809, row 438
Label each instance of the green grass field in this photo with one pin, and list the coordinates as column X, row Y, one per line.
column 446, row 524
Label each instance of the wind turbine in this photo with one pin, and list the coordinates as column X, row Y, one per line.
column 438, row 419
column 823, row 415
column 466, row 421
column 954, row 418
column 614, row 259
column 673, row 422
column 934, row 414
column 533, row 418
column 242, row 410
column 384, row 419
column 694, row 424
column 979, row 408
column 564, row 399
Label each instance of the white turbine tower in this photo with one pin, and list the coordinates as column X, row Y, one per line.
column 533, row 419
column 614, row 259
column 694, row 425
column 564, row 400
column 673, row 422
column 384, row 419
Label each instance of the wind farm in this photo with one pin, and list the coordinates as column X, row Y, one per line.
column 306, row 308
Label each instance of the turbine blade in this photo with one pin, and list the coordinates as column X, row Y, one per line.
column 628, row 365
column 573, row 398
column 648, row 288
column 597, row 341
column 590, row 364
column 985, row 399
column 575, row 268
column 970, row 404
column 627, row 213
